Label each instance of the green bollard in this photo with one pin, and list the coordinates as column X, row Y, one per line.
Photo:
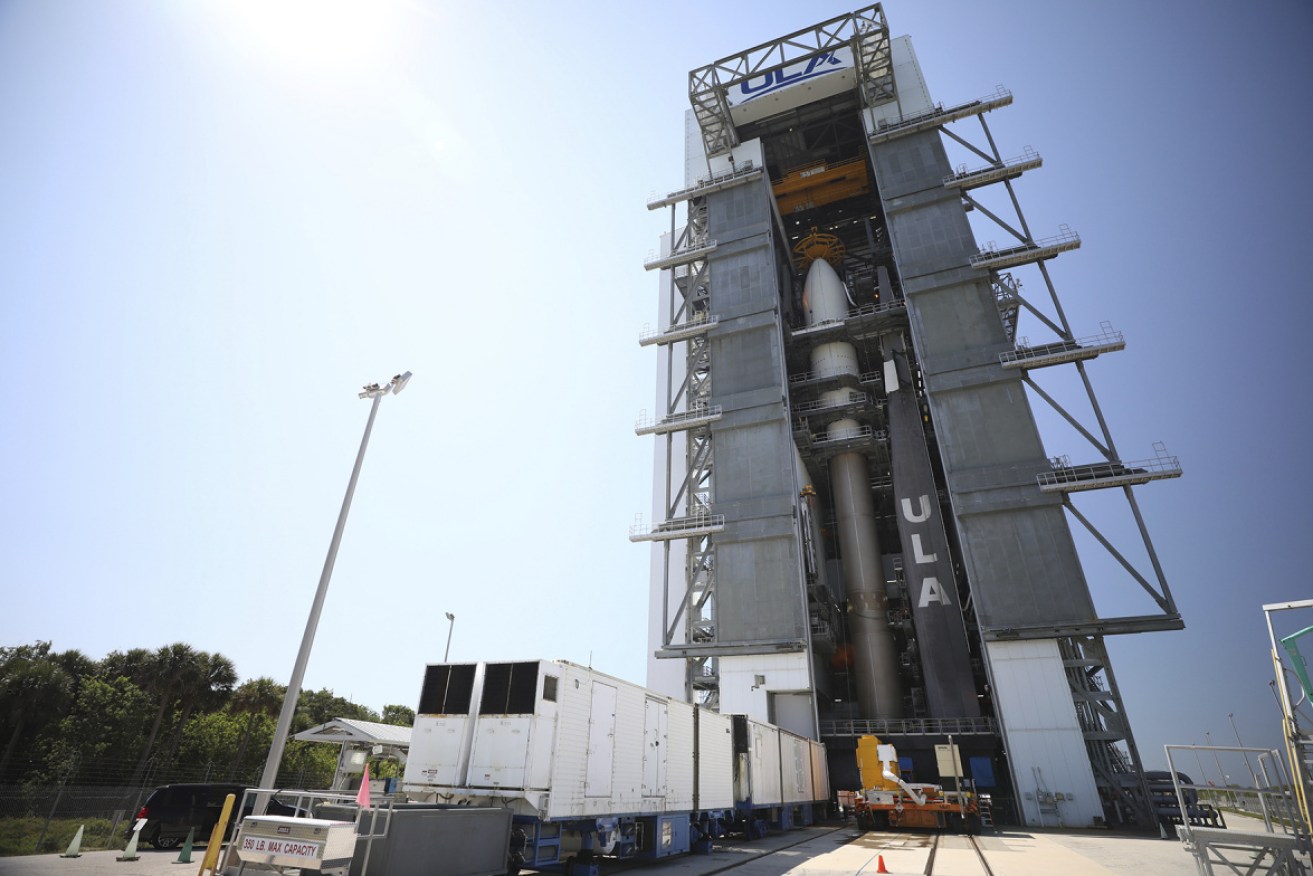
column 184, row 857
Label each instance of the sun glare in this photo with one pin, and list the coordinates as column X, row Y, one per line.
column 318, row 35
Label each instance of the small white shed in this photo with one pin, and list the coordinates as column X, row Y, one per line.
column 359, row 741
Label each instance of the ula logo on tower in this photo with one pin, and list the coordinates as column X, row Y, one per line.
column 820, row 65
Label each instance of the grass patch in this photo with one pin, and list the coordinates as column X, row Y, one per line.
column 19, row 836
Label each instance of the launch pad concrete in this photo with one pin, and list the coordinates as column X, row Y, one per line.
column 824, row 850
column 830, row 850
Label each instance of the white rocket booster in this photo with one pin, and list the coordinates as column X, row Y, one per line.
column 875, row 664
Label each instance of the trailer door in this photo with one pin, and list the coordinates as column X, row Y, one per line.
column 655, row 732
column 601, row 741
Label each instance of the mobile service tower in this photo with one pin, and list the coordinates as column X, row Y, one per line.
column 856, row 526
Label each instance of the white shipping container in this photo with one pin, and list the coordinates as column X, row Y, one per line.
column 558, row 740
column 795, row 767
column 820, row 772
column 676, row 751
column 764, row 764
column 715, row 761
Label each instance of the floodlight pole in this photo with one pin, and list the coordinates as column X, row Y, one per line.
column 451, row 625
column 270, row 776
column 1230, row 716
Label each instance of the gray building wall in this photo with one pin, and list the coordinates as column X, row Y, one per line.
column 759, row 593
column 1020, row 557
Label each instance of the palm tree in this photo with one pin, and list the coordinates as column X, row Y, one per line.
column 167, row 676
column 208, row 683
column 259, row 696
column 134, row 665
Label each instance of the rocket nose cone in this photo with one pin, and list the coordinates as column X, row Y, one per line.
column 823, row 294
column 818, row 267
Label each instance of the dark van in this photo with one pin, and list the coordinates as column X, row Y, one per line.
column 173, row 811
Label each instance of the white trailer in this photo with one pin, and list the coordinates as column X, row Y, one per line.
column 592, row 765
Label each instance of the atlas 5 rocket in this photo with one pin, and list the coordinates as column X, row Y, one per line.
column 875, row 661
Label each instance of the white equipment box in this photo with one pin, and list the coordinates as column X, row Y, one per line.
column 558, row 742
column 308, row 843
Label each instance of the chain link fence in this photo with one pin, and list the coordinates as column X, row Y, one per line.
column 37, row 818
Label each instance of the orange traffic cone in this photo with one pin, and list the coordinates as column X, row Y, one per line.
column 879, row 864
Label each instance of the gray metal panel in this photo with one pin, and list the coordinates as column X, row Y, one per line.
column 758, row 580
column 1020, row 558
column 429, row 841
column 1028, row 554
column 987, row 426
column 747, row 454
column 745, row 360
column 757, row 590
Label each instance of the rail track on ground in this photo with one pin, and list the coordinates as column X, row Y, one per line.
column 957, row 864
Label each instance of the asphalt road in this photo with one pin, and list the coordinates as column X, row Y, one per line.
column 150, row 862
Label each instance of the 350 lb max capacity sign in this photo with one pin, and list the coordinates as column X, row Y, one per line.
column 287, row 848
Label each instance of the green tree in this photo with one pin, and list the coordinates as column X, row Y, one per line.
column 79, row 666
column 402, row 715
column 257, row 698
column 104, row 725
column 34, row 690
column 316, row 707
column 167, row 675
column 134, row 665
column 208, row 743
column 207, row 684
column 308, row 765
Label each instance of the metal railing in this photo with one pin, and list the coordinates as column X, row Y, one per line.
column 818, row 405
column 694, row 249
column 1030, row 159
column 883, row 727
column 683, row 419
column 1105, row 341
column 865, row 310
column 700, row 322
column 676, row 527
column 1044, row 247
column 938, row 114
column 861, row 433
column 1163, row 465
column 656, row 200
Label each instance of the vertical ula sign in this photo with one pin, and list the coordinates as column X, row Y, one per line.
column 927, row 564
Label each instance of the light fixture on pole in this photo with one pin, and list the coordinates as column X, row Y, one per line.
column 451, row 625
column 1226, row 780
column 1230, row 716
column 372, row 391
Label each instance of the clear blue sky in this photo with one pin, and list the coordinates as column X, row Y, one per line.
column 218, row 220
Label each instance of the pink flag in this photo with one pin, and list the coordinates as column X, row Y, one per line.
column 362, row 797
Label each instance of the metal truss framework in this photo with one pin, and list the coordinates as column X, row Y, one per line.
column 688, row 483
column 1066, row 349
column 865, row 32
column 1119, row 775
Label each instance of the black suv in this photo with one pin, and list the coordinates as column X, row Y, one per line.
column 173, row 811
